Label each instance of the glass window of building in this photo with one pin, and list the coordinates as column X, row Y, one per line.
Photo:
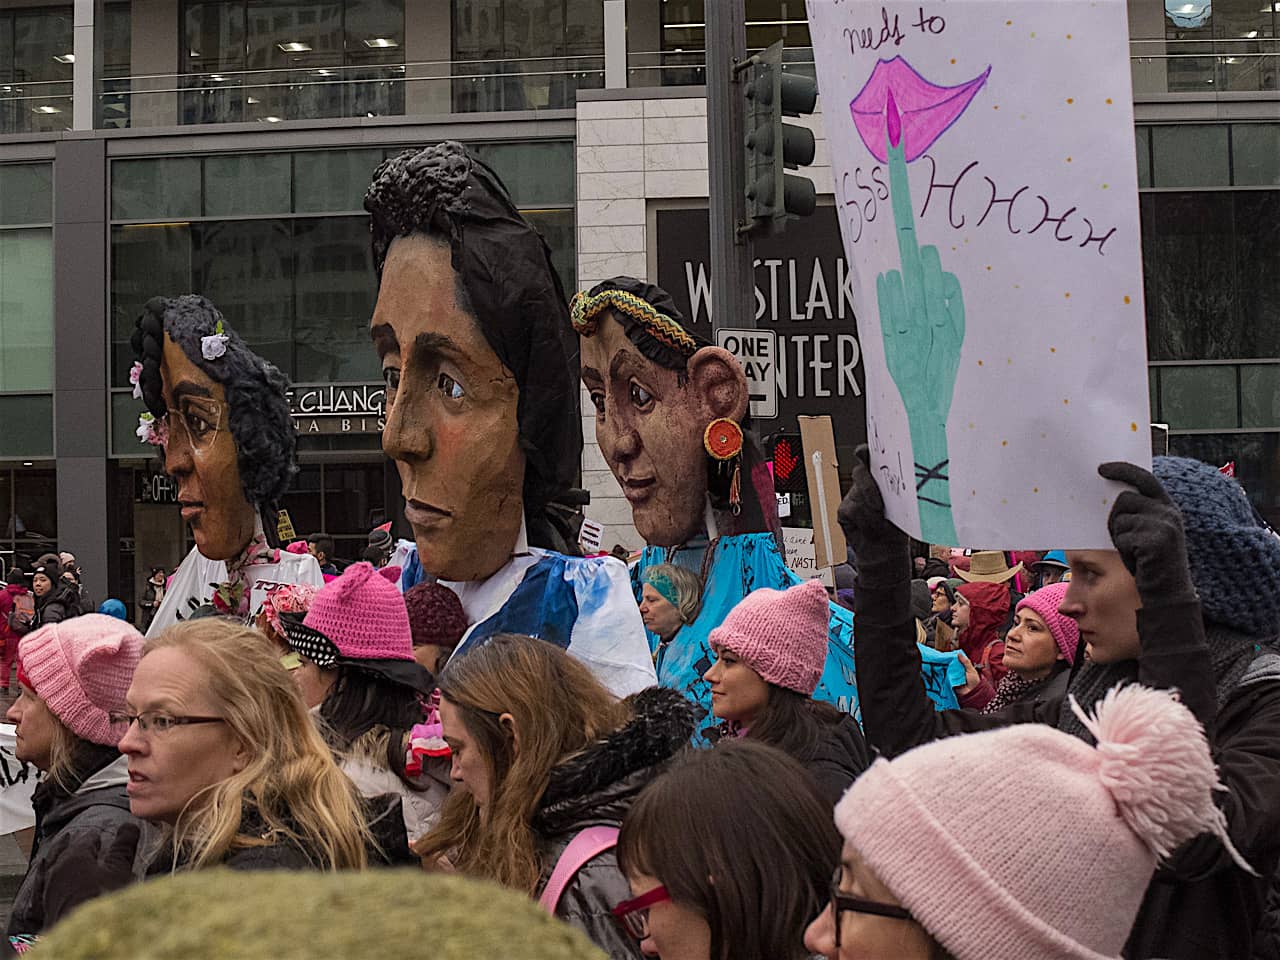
column 525, row 54
column 280, row 244
column 1223, row 45
column 35, row 69
column 274, row 60
column 26, row 310
column 683, row 37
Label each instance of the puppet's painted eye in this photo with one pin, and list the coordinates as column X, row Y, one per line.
column 640, row 396
column 597, row 398
column 450, row 387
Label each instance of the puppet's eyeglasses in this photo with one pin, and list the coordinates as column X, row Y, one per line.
column 197, row 420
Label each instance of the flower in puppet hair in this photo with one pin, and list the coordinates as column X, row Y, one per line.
column 152, row 431
column 214, row 345
column 898, row 102
column 135, row 378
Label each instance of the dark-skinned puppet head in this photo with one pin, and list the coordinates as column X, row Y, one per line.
column 224, row 417
column 479, row 360
column 662, row 396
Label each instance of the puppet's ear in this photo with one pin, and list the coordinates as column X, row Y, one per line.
column 719, row 383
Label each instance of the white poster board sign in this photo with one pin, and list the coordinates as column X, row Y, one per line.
column 17, row 782
column 802, row 557
column 986, row 182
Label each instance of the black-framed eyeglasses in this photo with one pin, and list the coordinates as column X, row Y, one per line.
column 842, row 902
column 160, row 723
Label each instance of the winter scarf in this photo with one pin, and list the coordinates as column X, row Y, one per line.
column 1013, row 689
column 1230, row 650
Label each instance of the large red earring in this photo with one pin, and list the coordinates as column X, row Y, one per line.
column 723, row 442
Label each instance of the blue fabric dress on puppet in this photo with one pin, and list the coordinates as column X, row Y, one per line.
column 583, row 605
column 738, row 565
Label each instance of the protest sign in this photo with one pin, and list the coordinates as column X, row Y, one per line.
column 18, row 781
column 985, row 177
column 823, row 478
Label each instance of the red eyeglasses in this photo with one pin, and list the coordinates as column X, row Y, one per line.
column 633, row 915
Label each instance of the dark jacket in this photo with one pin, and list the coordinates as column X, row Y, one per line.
column 59, row 875
column 1199, row 905
column 1054, row 687
column 596, row 787
column 60, row 603
column 837, row 759
column 285, row 853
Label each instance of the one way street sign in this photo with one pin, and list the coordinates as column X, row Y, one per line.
column 757, row 351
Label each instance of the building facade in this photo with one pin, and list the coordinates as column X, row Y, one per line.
column 222, row 147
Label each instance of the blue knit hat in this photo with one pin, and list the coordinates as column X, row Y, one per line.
column 1235, row 560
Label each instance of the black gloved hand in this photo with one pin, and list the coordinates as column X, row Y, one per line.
column 81, row 870
column 1146, row 528
column 883, row 551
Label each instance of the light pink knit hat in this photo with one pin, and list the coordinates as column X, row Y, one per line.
column 1067, row 884
column 1045, row 602
column 81, row 668
column 780, row 634
column 363, row 614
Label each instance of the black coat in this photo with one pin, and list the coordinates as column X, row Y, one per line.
column 596, row 788
column 837, row 758
column 60, row 603
column 65, row 870
column 1200, row 904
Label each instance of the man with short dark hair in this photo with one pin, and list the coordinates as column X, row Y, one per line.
column 320, row 546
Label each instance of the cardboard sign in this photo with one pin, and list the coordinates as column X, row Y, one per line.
column 589, row 536
column 801, row 558
column 823, row 476
column 757, row 352
column 985, row 175
column 284, row 527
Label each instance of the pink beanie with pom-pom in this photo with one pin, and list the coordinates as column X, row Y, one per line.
column 1064, row 884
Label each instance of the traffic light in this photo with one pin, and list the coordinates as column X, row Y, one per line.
column 787, row 454
column 773, row 147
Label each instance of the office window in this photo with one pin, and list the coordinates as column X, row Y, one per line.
column 35, row 72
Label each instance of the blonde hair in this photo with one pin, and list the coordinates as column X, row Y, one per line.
column 62, row 752
column 688, row 587
column 291, row 780
column 558, row 707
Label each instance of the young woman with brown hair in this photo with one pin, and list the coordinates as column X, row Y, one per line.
column 541, row 753
column 224, row 754
column 729, row 855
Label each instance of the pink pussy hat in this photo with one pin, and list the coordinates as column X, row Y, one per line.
column 1065, row 886
column 81, row 668
column 780, row 634
column 1045, row 601
column 359, row 618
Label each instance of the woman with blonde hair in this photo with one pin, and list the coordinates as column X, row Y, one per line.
column 545, row 763
column 71, row 676
column 670, row 598
column 223, row 753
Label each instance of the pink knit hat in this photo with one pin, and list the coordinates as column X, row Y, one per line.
column 780, row 634
column 1055, row 887
column 1045, row 601
column 81, row 668
column 363, row 614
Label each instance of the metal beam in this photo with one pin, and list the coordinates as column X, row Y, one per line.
column 732, row 265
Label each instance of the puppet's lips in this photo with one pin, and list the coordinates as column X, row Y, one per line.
column 191, row 509
column 636, row 490
column 421, row 514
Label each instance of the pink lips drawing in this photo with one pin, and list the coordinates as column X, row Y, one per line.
column 898, row 103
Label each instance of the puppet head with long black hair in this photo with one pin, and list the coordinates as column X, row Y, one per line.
column 671, row 416
column 230, row 440
column 479, row 362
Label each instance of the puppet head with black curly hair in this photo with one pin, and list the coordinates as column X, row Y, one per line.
column 671, row 416
column 229, row 436
column 479, row 362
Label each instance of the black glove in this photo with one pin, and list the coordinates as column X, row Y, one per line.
column 883, row 551
column 1146, row 528
column 81, row 870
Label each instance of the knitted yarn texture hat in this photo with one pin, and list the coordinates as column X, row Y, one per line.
column 363, row 614
column 1235, row 560
column 81, row 668
column 780, row 634
column 1058, row 888
column 435, row 615
column 279, row 914
column 1045, row 601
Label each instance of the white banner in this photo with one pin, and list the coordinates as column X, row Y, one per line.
column 985, row 175
column 17, row 782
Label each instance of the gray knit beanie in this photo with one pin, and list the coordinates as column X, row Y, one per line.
column 1235, row 559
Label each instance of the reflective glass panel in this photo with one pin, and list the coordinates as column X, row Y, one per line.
column 1197, row 398
column 26, row 311
column 26, row 193
column 336, row 291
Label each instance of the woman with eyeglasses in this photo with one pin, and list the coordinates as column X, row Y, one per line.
column 729, row 855
column 1063, row 876
column 72, row 675
column 546, row 762
column 224, row 755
